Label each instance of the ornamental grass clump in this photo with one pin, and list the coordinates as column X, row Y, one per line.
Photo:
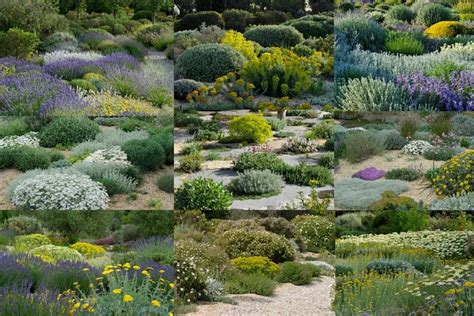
column 256, row 182
column 60, row 191
column 456, row 175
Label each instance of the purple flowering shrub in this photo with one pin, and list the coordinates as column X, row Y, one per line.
column 456, row 94
column 369, row 174
column 16, row 65
column 37, row 94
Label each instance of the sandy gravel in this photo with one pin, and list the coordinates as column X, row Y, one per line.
column 6, row 176
column 288, row 299
column 391, row 160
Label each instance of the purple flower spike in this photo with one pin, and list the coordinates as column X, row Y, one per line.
column 369, row 174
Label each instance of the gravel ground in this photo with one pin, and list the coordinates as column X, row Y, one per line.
column 288, row 299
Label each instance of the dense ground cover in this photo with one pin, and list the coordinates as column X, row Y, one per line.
column 402, row 262
column 74, row 163
column 410, row 56
column 219, row 257
column 86, row 262
column 252, row 90
column 404, row 161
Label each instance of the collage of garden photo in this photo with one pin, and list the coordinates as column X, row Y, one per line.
column 236, row 157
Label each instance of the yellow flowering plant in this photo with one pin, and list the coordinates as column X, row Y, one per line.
column 445, row 29
column 455, row 177
column 237, row 41
column 88, row 250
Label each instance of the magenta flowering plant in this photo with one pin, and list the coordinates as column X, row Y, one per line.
column 369, row 174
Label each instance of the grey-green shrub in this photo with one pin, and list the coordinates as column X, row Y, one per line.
column 274, row 35
column 183, row 87
column 362, row 145
column 392, row 139
column 369, row 94
column 24, row 225
column 455, row 203
column 117, row 183
column 387, row 266
column 256, row 182
column 433, row 13
column 360, row 30
column 400, row 13
column 206, row 62
column 462, row 125
column 276, row 123
column 352, row 221
column 357, row 194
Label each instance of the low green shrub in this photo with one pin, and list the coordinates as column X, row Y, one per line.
column 303, row 174
column 26, row 158
column 56, row 253
column 249, row 283
column 432, row 13
column 403, row 43
column 343, row 270
column 441, row 153
column 192, row 162
column 400, row 13
column 361, row 146
column 406, row 174
column 24, row 225
column 258, row 161
column 369, row 34
column 147, row 154
column 18, row 43
column 393, row 220
column 275, row 123
column 194, row 20
column 28, row 242
column 295, row 273
column 317, row 232
column 256, row 265
column 385, row 266
column 67, row 131
column 390, row 201
column 274, row 35
column 166, row 182
column 256, row 182
column 207, row 195
column 237, row 19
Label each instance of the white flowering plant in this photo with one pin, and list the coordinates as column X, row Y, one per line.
column 416, row 147
column 29, row 139
column 59, row 191
column 110, row 154
column 61, row 55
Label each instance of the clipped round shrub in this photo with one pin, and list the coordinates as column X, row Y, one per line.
column 18, row 43
column 207, row 62
column 191, row 162
column 400, row 13
column 342, row 270
column 318, row 232
column 56, row 253
column 445, row 29
column 360, row 30
column 237, row 19
column 83, row 84
column 274, row 35
column 257, row 265
column 251, row 128
column 147, row 154
column 24, row 225
column 29, row 242
column 183, row 87
column 166, row 182
column 59, row 191
column 295, row 273
column 24, row 158
column 258, row 161
column 432, row 13
column 88, row 250
column 59, row 41
column 455, row 176
column 312, row 26
column 244, row 243
column 256, row 182
column 385, row 266
column 67, row 131
column 194, row 20
column 393, row 140
column 207, row 195
column 270, row 17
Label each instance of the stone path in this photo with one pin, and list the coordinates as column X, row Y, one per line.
column 288, row 299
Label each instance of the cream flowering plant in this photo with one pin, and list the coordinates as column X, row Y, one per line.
column 29, row 139
column 111, row 154
column 416, row 147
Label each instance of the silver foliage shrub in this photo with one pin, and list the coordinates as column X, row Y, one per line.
column 255, row 182
column 455, row 203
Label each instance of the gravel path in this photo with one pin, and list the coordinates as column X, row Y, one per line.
column 288, row 299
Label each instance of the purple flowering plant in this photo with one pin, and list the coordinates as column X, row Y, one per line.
column 369, row 174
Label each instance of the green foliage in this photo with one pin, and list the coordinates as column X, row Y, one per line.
column 274, row 35
column 18, row 43
column 359, row 30
column 403, row 43
column 166, row 182
column 14, row 127
column 409, row 126
column 26, row 158
column 191, row 162
column 280, row 226
column 207, row 62
column 158, row 35
column 386, row 266
column 249, row 283
column 317, row 232
column 258, row 161
column 244, row 243
column 195, row 20
column 361, row 146
column 147, row 154
column 28, row 242
column 327, row 160
column 67, row 131
column 115, row 182
column 406, row 174
column 390, row 201
column 400, row 13
column 256, row 265
column 440, row 153
column 393, row 140
column 183, row 87
column 276, row 123
column 251, row 128
column 56, row 253
column 396, row 220
column 324, row 130
column 256, row 182
column 303, row 174
column 342, row 270
column 237, row 20
column 24, row 225
column 295, row 273
column 203, row 194
column 432, row 13
column 152, row 223
column 83, row 84
column 313, row 26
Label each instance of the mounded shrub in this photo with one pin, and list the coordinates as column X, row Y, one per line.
column 313, row 26
column 406, row 174
column 276, row 123
column 400, row 13
column 243, row 243
column 304, row 174
column 455, row 176
column 256, row 265
column 270, row 17
column 24, row 225
column 183, row 87
column 237, row 19
column 445, row 29
column 396, row 220
column 26, row 158
column 386, row 266
column 18, row 43
column 147, row 154
column 207, row 62
column 56, row 253
column 360, row 146
column 256, row 182
column 249, row 283
column 360, row 30
column 193, row 21
column 88, row 250
column 274, row 35
column 295, row 273
column 403, row 43
column 166, row 183
column 432, row 13
column 191, row 162
column 393, row 140
column 67, row 131
column 317, row 232
column 251, row 128
column 29, row 242
column 258, row 161
column 59, row 191
column 207, row 195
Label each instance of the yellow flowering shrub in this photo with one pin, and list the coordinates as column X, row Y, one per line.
column 28, row 242
column 93, row 76
column 251, row 128
column 237, row 41
column 109, row 104
column 257, row 264
column 445, row 29
column 456, row 175
column 88, row 250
